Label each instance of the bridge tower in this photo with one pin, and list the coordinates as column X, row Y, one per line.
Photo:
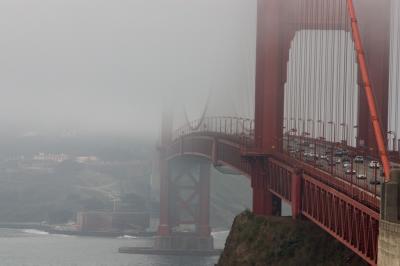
column 273, row 172
column 184, row 199
column 277, row 26
column 278, row 22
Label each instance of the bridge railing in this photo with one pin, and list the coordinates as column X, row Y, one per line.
column 240, row 129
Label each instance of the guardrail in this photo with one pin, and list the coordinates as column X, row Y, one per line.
column 235, row 127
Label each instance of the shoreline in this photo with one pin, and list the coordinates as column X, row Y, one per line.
column 51, row 230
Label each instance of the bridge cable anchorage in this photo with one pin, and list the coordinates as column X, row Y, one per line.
column 369, row 93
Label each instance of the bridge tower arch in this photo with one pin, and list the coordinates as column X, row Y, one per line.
column 277, row 24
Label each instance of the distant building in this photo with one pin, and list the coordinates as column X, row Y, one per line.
column 60, row 157
column 86, row 159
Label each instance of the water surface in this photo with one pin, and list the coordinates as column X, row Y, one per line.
column 36, row 248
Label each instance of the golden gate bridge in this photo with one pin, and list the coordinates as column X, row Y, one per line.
column 325, row 133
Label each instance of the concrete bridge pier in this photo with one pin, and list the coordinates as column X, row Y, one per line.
column 184, row 202
column 389, row 225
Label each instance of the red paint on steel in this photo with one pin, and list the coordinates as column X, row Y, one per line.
column 345, row 219
column 262, row 197
column 326, row 200
column 269, row 88
column 380, row 140
column 296, row 194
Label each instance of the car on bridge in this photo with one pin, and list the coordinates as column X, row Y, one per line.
column 313, row 155
column 346, row 165
column 362, row 176
column 374, row 165
column 350, row 172
column 341, row 153
column 359, row 159
column 375, row 182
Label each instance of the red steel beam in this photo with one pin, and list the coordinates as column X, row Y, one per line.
column 296, row 194
column 350, row 222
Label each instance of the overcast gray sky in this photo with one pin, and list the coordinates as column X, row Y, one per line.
column 106, row 66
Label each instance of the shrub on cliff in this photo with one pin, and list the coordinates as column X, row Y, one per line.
column 259, row 241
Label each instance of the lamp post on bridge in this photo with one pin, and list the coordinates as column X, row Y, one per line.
column 313, row 137
column 292, row 131
column 285, row 135
column 333, row 131
column 312, row 128
column 292, row 125
column 300, row 135
column 322, row 138
column 333, row 140
column 355, row 127
column 346, row 132
column 304, row 135
column 285, row 123
column 323, row 129
column 394, row 139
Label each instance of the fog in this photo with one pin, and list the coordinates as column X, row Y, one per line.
column 107, row 67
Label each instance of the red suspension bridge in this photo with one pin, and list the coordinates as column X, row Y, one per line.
column 324, row 134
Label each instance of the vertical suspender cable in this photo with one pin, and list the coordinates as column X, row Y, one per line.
column 318, row 65
column 315, row 69
column 332, row 71
column 339, row 75
column 390, row 108
column 310, row 103
column 302, row 40
column 397, row 88
column 325, row 56
column 345, row 79
column 323, row 70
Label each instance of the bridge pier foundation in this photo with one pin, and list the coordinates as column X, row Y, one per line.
column 389, row 225
column 184, row 206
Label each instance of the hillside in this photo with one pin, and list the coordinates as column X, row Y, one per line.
column 260, row 241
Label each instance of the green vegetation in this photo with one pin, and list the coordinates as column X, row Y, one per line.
column 259, row 241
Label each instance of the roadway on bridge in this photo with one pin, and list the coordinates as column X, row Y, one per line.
column 338, row 161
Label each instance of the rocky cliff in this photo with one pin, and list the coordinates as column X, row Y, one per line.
column 259, row 241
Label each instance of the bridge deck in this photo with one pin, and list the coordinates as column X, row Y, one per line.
column 343, row 207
